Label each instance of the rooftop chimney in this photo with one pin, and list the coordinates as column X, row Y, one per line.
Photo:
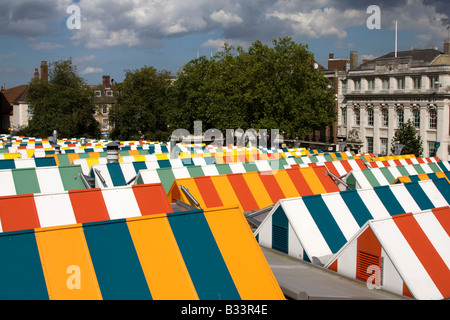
column 44, row 71
column 36, row 74
column 106, row 81
column 331, row 56
column 447, row 47
column 112, row 151
column 353, row 60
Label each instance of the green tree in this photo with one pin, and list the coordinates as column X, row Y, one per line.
column 140, row 108
column 407, row 136
column 266, row 87
column 64, row 103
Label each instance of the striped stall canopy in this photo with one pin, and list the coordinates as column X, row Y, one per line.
column 40, row 180
column 88, row 158
column 406, row 161
column 397, row 157
column 167, row 176
column 320, row 225
column 343, row 167
column 39, row 153
column 409, row 252
column 121, row 259
column 119, row 174
column 151, row 161
column 30, row 211
column 26, row 163
column 253, row 190
column 444, row 165
column 7, row 155
column 333, row 156
column 424, row 176
column 366, row 178
column 67, row 159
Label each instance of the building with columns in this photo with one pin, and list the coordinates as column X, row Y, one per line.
column 378, row 95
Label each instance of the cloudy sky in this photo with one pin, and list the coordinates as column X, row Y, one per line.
column 118, row 35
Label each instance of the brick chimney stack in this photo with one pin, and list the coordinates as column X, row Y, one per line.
column 44, row 71
column 36, row 74
column 353, row 60
column 447, row 47
column 107, row 81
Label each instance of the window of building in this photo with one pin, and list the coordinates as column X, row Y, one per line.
column 416, row 118
column 344, row 87
column 383, row 146
column 98, row 93
column 401, row 83
column 105, row 109
column 371, row 84
column 417, row 83
column 434, row 82
column 105, row 124
column 109, row 93
column 344, row 116
column 432, row 114
column 357, row 116
column 400, row 117
column 385, row 83
column 431, row 148
column 369, row 144
column 384, row 117
column 370, row 116
column 357, row 84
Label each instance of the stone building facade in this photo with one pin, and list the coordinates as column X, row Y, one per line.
column 378, row 95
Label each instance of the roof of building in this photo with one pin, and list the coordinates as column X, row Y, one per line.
column 418, row 56
column 10, row 96
column 16, row 93
column 318, row 226
column 425, row 55
column 122, row 259
column 417, row 245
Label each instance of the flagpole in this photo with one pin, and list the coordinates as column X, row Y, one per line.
column 396, row 38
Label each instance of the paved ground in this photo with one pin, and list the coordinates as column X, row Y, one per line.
column 304, row 281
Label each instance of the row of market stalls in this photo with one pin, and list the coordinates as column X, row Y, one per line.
column 192, row 225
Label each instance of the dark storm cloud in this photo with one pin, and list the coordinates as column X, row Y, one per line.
column 29, row 18
column 137, row 23
column 441, row 6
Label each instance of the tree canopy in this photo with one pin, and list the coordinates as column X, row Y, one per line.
column 140, row 108
column 406, row 135
column 64, row 103
column 266, row 87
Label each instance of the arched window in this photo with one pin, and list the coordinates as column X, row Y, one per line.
column 357, row 117
column 344, row 116
column 416, row 117
column 432, row 118
column 400, row 116
column 370, row 116
column 384, row 117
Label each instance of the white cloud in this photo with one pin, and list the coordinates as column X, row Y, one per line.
column 144, row 23
column 84, row 59
column 7, row 55
column 217, row 44
column 91, row 70
column 43, row 45
column 30, row 18
column 226, row 19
